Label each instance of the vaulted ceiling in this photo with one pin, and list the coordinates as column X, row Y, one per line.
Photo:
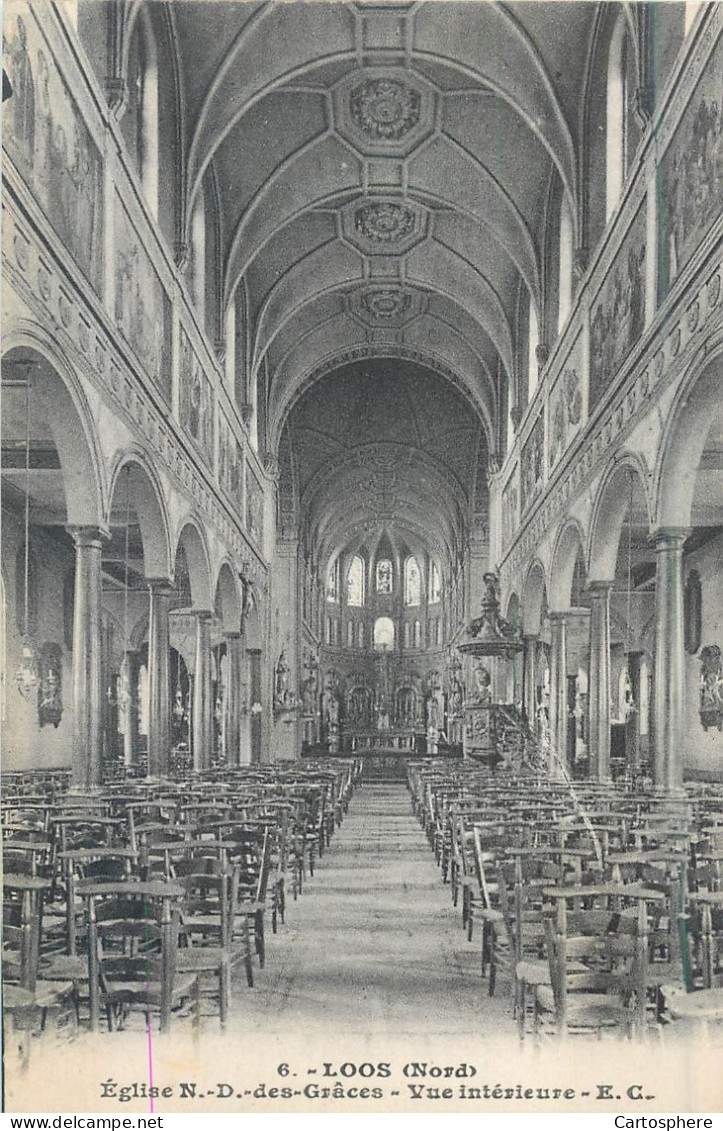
column 382, row 172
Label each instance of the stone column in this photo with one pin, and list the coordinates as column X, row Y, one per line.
column 234, row 662
column 87, row 660
column 159, row 679
column 632, row 729
column 530, row 679
column 202, row 705
column 669, row 660
column 130, row 722
column 599, row 680
column 558, row 694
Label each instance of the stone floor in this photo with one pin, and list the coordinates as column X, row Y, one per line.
column 374, row 943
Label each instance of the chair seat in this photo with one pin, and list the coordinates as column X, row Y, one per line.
column 700, row 1005
column 589, row 1009
column 533, row 973
column 46, row 995
column 64, row 967
column 206, row 958
column 146, row 993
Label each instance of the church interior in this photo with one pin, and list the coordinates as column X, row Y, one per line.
column 362, row 518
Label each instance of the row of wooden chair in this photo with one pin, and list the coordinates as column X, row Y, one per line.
column 150, row 898
column 610, row 887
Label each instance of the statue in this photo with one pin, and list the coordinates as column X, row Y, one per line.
column 711, row 687
column 482, row 684
column 283, row 697
column 309, row 687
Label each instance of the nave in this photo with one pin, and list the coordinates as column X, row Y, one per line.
column 375, row 945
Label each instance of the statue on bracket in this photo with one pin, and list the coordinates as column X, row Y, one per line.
column 50, row 697
column 284, row 697
column 711, row 687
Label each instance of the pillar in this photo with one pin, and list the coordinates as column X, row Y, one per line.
column 129, row 685
column 202, row 705
column 530, row 681
column 669, row 659
column 632, row 730
column 159, row 679
column 599, row 679
column 558, row 695
column 234, row 660
column 87, row 659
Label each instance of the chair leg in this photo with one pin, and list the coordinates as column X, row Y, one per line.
column 224, row 990
column 260, row 940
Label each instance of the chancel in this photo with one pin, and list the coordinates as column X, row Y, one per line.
column 362, row 517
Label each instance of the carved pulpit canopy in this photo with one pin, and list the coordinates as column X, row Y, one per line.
column 489, row 633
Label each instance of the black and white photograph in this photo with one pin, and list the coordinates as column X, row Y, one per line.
column 361, row 601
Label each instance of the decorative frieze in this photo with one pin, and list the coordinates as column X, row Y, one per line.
column 662, row 360
column 103, row 365
column 52, row 146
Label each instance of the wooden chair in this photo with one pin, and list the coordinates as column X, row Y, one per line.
column 212, row 942
column 133, row 934
column 597, row 961
column 30, row 1003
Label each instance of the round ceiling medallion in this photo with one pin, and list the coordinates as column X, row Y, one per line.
column 385, row 305
column 385, row 109
column 384, row 222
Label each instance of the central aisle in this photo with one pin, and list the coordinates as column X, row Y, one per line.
column 374, row 944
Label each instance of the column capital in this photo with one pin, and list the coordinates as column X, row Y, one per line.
column 669, row 538
column 160, row 586
column 599, row 588
column 530, row 637
column 233, row 635
column 201, row 614
column 558, row 616
column 88, row 535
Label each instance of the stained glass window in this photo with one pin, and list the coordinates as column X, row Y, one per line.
column 355, row 583
column 435, row 585
column 412, row 582
column 332, row 582
column 384, row 576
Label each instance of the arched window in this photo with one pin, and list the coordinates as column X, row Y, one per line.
column 383, row 633
column 329, row 639
column 350, row 634
column 142, row 112
column 417, row 634
column 564, row 290
column 407, row 634
column 439, row 632
column 412, row 582
column 435, row 585
column 384, row 576
column 332, row 582
column 533, row 341
column 616, row 117
column 360, row 633
column 355, row 583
